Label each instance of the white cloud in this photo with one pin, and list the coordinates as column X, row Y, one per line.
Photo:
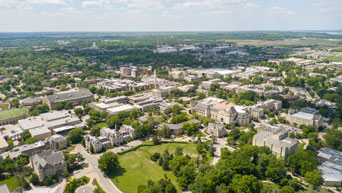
column 46, row 2
column 145, row 4
column 280, row 10
column 214, row 4
column 328, row 5
column 97, row 3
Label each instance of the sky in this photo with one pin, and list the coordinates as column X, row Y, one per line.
column 169, row 15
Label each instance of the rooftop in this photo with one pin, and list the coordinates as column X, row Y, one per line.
column 330, row 154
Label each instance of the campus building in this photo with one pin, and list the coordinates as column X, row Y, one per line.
column 216, row 129
column 76, row 97
column 48, row 163
column 277, row 140
column 306, row 116
column 258, row 110
column 221, row 110
column 331, row 166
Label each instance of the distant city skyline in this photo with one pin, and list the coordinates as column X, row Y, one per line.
column 169, row 15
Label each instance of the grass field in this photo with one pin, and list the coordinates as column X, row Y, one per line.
column 138, row 168
column 11, row 182
column 334, row 58
column 11, row 113
column 4, row 106
column 101, row 124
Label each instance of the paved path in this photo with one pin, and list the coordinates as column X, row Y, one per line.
column 102, row 178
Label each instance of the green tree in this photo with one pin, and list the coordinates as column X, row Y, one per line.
column 314, row 177
column 165, row 132
column 112, row 121
column 287, row 189
column 26, row 134
column 108, row 162
column 245, row 184
column 76, row 135
column 34, row 179
column 333, row 139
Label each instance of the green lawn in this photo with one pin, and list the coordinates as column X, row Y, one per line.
column 101, row 124
column 11, row 113
column 11, row 182
column 335, row 58
column 138, row 168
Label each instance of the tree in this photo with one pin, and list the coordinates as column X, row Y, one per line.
column 165, row 132
column 134, row 114
column 286, row 189
column 26, row 134
column 95, row 115
column 15, row 103
column 112, row 121
column 59, row 106
column 79, row 112
column 76, row 135
column 95, row 131
column 333, row 139
column 73, row 160
column 31, row 140
column 108, row 162
column 34, row 179
column 190, row 128
column 245, row 184
column 314, row 177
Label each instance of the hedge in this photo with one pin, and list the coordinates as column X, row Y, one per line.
column 148, row 144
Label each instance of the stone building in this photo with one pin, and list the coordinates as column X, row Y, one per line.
column 306, row 116
column 278, row 142
column 216, row 129
column 221, row 110
column 109, row 137
column 258, row 110
column 48, row 163
column 57, row 141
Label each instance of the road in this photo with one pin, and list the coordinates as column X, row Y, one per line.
column 102, row 178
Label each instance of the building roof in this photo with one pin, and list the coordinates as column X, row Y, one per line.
column 69, row 95
column 331, row 172
column 47, row 158
column 39, row 131
column 270, row 138
column 118, row 109
column 57, row 138
column 54, row 115
column 304, row 115
column 30, row 100
column 330, row 154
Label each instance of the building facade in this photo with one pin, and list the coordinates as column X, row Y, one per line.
column 48, row 163
column 221, row 110
column 278, row 142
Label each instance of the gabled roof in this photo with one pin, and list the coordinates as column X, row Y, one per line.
column 48, row 158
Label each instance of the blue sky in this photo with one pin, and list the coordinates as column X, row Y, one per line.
column 169, row 15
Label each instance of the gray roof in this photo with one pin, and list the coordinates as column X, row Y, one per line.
column 47, row 158
column 69, row 95
column 330, row 154
column 57, row 138
column 39, row 131
column 31, row 100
